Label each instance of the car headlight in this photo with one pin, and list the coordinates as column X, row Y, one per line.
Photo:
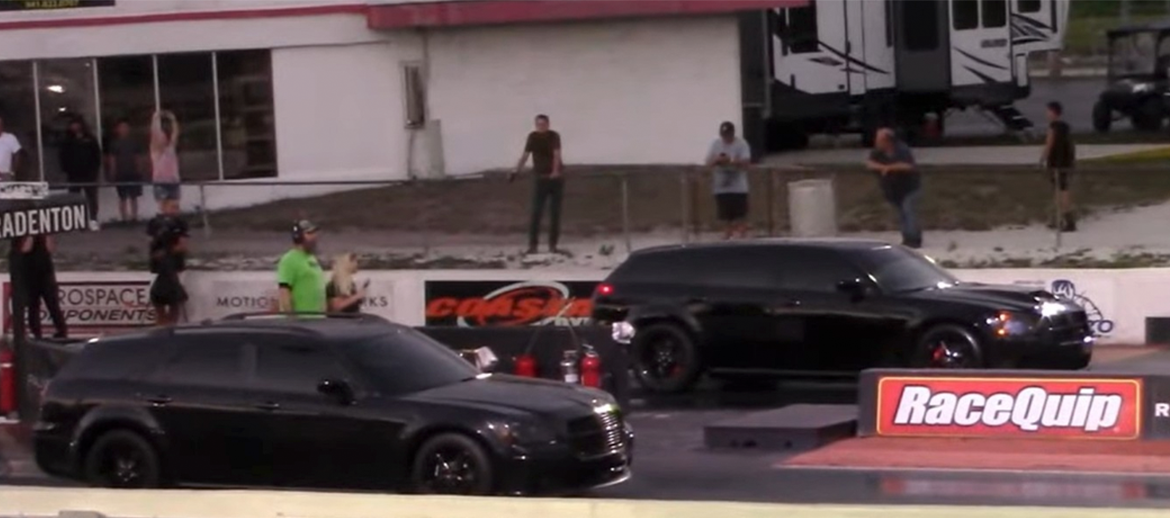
column 1142, row 87
column 622, row 332
column 523, row 432
column 1009, row 323
column 1050, row 309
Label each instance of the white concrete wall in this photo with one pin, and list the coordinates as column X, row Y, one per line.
column 619, row 92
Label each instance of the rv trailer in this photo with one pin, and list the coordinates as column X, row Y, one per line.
column 841, row 66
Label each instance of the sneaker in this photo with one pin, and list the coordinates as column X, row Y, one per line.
column 94, row 225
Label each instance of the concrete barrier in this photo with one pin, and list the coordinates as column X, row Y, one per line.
column 281, row 504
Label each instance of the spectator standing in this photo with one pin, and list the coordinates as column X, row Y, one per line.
column 900, row 181
column 36, row 264
column 342, row 292
column 168, row 258
column 729, row 156
column 544, row 146
column 299, row 275
column 9, row 155
column 1059, row 159
column 80, row 157
column 125, row 166
column 164, row 157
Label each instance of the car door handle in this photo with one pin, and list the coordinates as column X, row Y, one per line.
column 268, row 405
column 159, row 400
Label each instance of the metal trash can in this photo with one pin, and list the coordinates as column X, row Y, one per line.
column 812, row 208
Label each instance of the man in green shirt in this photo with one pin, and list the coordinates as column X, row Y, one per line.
column 299, row 275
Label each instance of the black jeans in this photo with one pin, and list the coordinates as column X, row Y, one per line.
column 42, row 285
column 91, row 199
column 552, row 191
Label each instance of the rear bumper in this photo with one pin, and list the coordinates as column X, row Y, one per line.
column 54, row 454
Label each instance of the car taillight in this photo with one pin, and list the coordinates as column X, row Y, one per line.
column 604, row 289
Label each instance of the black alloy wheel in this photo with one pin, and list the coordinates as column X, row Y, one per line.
column 949, row 347
column 452, row 464
column 665, row 359
column 122, row 459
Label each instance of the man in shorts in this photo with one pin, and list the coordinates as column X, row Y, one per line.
column 9, row 155
column 125, row 162
column 1059, row 158
column 299, row 275
column 168, row 233
column 729, row 156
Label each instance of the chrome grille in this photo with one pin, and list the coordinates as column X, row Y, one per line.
column 597, row 434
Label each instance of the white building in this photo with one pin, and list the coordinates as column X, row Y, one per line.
column 352, row 90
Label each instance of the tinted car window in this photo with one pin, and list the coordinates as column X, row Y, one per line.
column 205, row 361
column 295, row 368
column 656, row 267
column 408, row 361
column 897, row 269
column 113, row 360
column 813, row 270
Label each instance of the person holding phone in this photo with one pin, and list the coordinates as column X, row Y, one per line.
column 729, row 156
column 342, row 292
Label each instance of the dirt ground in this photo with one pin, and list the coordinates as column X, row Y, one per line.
column 669, row 197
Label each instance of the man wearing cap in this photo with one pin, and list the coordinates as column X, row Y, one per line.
column 729, row 156
column 299, row 274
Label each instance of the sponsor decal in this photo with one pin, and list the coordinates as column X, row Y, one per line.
column 1009, row 407
column 24, row 190
column 39, row 5
column 43, row 220
column 520, row 303
column 95, row 308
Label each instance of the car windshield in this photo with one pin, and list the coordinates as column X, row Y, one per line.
column 1133, row 55
column 407, row 361
column 899, row 270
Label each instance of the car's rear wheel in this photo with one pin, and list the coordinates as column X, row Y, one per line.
column 122, row 459
column 1102, row 117
column 948, row 347
column 452, row 464
column 665, row 359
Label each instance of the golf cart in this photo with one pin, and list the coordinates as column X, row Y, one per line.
column 1138, row 81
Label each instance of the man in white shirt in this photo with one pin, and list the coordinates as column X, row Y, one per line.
column 9, row 160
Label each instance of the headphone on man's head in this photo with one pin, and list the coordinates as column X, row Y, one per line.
column 298, row 232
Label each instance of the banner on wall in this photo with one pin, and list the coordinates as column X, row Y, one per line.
column 1095, row 295
column 217, row 295
column 508, row 303
column 94, row 308
column 41, row 5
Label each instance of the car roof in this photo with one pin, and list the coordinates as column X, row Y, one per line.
column 824, row 243
column 326, row 328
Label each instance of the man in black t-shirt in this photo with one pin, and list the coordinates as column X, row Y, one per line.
column 168, row 233
column 35, row 264
column 1059, row 159
column 544, row 145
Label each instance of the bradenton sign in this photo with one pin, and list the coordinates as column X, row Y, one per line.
column 55, row 215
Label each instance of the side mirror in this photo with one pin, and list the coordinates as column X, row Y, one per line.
column 855, row 288
column 338, row 390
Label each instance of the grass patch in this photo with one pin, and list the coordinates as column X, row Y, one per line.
column 1086, row 35
column 1158, row 156
column 671, row 197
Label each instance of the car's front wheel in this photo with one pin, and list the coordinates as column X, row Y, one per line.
column 122, row 459
column 665, row 359
column 452, row 464
column 948, row 346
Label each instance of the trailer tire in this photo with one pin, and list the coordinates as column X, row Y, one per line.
column 1149, row 115
column 1102, row 117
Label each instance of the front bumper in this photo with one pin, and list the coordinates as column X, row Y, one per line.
column 557, row 469
column 1071, row 354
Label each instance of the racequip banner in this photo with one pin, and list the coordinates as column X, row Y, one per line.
column 508, row 303
column 1073, row 406
column 95, row 308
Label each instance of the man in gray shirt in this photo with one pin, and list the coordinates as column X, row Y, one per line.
column 729, row 156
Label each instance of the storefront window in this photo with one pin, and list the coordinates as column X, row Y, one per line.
column 187, row 88
column 18, row 111
column 67, row 92
column 246, row 114
column 126, row 88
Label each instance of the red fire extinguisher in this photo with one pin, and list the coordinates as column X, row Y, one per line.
column 7, row 383
column 591, row 368
column 526, row 365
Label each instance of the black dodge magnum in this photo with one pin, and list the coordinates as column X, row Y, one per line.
column 824, row 307
column 358, row 403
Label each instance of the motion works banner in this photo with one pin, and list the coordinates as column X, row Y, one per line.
column 42, row 5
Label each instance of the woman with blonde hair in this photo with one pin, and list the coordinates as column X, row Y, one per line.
column 342, row 293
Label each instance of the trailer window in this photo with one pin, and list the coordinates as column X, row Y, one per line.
column 965, row 14
column 801, row 33
column 920, row 30
column 994, row 13
column 1029, row 6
